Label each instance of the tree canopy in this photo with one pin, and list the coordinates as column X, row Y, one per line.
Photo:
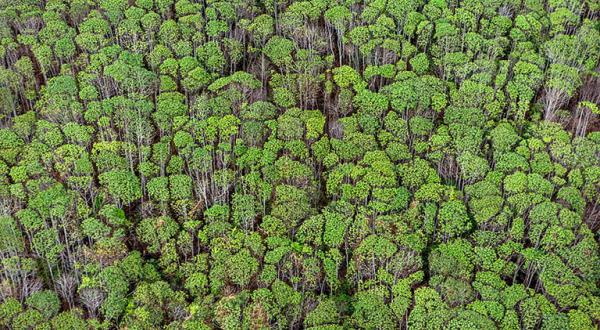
column 207, row 164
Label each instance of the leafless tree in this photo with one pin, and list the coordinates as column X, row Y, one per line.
column 589, row 92
column 553, row 99
column 66, row 285
column 92, row 298
column 30, row 286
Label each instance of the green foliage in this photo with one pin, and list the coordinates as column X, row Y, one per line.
column 241, row 267
column 46, row 302
column 8, row 310
column 453, row 219
column 157, row 231
column 180, row 186
column 123, row 186
column 186, row 164
column 429, row 312
column 279, row 50
column 371, row 312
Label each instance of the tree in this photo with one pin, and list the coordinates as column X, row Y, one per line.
column 326, row 313
column 430, row 312
column 453, row 219
column 452, row 271
column 241, row 268
column 370, row 311
column 156, row 232
column 70, row 320
column 46, row 302
column 123, row 186
column 279, row 50
column 291, row 205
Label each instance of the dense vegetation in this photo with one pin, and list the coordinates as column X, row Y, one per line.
column 372, row 164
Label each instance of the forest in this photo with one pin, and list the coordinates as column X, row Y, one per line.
column 284, row 164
